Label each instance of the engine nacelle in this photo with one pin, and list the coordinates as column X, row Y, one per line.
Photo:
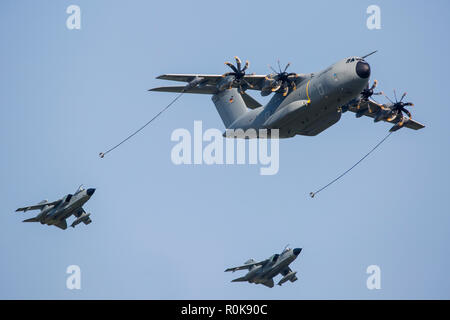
column 225, row 83
column 269, row 86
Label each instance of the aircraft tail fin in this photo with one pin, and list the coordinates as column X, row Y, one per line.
column 230, row 105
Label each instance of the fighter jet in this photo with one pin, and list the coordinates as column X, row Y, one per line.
column 56, row 212
column 264, row 271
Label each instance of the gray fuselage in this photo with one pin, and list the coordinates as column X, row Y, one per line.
column 314, row 105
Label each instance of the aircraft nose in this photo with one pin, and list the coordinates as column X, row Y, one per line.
column 297, row 251
column 90, row 191
column 363, row 69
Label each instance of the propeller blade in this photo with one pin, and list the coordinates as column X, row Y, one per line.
column 407, row 112
column 293, row 85
column 375, row 83
column 395, row 96
column 278, row 86
column 388, row 98
column 279, row 67
column 273, row 69
column 246, row 65
column 231, row 66
column 404, row 95
column 238, row 62
column 287, row 66
column 248, row 83
column 392, row 117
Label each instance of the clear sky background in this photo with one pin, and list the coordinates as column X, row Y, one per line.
column 162, row 231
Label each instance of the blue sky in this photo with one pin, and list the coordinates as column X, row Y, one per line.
column 162, row 231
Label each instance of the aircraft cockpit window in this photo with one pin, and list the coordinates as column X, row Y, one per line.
column 80, row 188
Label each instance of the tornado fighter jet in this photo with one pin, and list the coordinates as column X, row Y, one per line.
column 56, row 212
column 263, row 272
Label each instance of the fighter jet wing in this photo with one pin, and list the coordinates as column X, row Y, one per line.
column 62, row 224
column 370, row 109
column 213, row 79
column 247, row 266
column 39, row 206
column 268, row 283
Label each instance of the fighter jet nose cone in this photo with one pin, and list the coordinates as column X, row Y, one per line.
column 363, row 69
column 297, row 251
column 90, row 191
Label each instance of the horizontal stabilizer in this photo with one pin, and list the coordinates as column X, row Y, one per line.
column 179, row 89
column 31, row 220
column 250, row 102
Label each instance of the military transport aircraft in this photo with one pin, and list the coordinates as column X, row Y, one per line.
column 56, row 212
column 263, row 272
column 303, row 104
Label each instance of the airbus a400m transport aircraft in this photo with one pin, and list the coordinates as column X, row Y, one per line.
column 303, row 104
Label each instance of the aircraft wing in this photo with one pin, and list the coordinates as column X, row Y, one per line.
column 370, row 109
column 62, row 224
column 39, row 206
column 268, row 283
column 213, row 79
column 247, row 266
